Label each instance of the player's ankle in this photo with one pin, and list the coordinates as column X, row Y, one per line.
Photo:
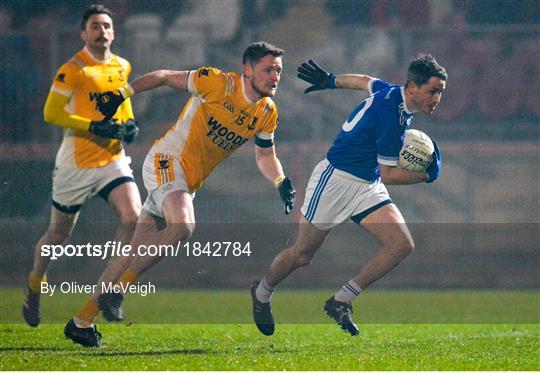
column 264, row 291
column 80, row 323
column 348, row 292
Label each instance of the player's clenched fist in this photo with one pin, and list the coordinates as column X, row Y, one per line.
column 108, row 129
column 131, row 130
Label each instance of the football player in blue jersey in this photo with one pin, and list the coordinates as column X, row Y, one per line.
column 350, row 182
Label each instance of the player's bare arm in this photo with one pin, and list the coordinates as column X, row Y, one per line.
column 398, row 176
column 175, row 79
column 321, row 79
column 110, row 101
column 270, row 167
column 353, row 81
column 268, row 163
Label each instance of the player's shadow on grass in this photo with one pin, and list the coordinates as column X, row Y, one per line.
column 146, row 353
column 31, row 349
column 98, row 352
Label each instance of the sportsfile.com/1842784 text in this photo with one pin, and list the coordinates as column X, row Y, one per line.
column 116, row 248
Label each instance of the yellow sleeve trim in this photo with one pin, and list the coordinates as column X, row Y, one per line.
column 54, row 113
column 126, row 91
column 191, row 83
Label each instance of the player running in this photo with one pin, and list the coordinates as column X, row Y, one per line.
column 349, row 183
column 91, row 159
column 224, row 111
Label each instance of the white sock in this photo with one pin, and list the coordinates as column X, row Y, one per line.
column 264, row 291
column 348, row 292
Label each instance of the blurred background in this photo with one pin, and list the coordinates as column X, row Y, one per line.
column 477, row 226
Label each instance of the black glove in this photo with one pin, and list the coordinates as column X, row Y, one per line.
column 109, row 102
column 434, row 169
column 108, row 129
column 314, row 74
column 287, row 194
column 131, row 130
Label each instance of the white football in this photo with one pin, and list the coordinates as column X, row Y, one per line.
column 415, row 154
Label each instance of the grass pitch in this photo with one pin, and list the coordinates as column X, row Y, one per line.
column 486, row 331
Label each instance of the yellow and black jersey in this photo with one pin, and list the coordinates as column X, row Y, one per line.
column 80, row 80
column 217, row 120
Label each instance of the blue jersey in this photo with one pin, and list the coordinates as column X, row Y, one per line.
column 373, row 133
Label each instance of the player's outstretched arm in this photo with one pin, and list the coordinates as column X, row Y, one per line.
column 357, row 82
column 109, row 102
column 320, row 79
column 271, row 168
column 175, row 79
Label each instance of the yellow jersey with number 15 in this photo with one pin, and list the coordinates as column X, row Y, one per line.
column 81, row 79
column 217, row 120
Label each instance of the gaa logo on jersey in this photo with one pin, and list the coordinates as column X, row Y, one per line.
column 229, row 106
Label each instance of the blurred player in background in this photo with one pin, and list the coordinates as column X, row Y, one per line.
column 224, row 111
column 349, row 183
column 91, row 159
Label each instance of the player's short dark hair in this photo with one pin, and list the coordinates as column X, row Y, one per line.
column 256, row 51
column 94, row 9
column 423, row 67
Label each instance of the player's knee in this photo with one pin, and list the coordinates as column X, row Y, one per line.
column 182, row 232
column 409, row 246
column 404, row 248
column 189, row 228
column 129, row 218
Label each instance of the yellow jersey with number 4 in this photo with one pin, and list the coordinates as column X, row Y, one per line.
column 217, row 120
column 81, row 79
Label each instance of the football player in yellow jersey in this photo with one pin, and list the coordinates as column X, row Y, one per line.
column 91, row 159
column 224, row 111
